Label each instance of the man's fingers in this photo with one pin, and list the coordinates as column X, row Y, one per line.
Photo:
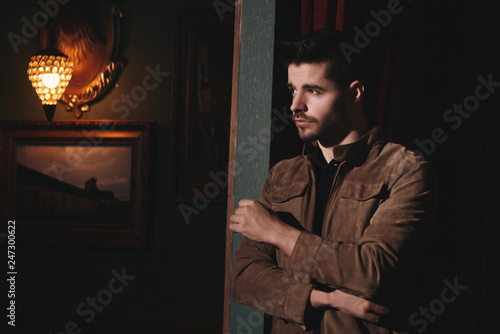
column 247, row 202
column 359, row 307
column 241, row 210
column 374, row 311
column 372, row 317
column 235, row 219
column 234, row 228
column 379, row 309
column 244, row 202
column 234, row 224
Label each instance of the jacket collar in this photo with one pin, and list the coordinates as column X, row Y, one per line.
column 349, row 152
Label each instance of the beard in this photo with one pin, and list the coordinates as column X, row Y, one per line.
column 332, row 126
column 312, row 131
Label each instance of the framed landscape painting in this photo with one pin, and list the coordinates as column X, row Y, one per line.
column 74, row 183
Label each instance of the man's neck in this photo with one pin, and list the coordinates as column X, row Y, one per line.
column 351, row 137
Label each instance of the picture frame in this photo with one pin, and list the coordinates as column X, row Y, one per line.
column 201, row 104
column 85, row 184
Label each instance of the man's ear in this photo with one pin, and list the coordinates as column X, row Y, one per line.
column 356, row 91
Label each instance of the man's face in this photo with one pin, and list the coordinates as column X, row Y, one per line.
column 318, row 103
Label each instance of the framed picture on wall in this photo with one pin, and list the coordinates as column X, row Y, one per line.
column 201, row 104
column 82, row 184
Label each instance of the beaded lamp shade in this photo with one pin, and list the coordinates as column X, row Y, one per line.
column 50, row 72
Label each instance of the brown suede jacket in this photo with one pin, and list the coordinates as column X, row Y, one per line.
column 378, row 218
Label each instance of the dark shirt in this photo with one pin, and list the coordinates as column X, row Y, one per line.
column 325, row 173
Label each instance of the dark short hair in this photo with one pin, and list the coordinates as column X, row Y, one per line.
column 331, row 46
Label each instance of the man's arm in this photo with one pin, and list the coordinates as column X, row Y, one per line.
column 259, row 282
column 355, row 306
column 396, row 232
column 256, row 222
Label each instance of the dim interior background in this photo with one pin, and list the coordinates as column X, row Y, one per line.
column 179, row 282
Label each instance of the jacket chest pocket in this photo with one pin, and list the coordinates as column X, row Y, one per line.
column 288, row 201
column 356, row 204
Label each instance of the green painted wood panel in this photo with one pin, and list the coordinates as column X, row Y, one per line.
column 253, row 127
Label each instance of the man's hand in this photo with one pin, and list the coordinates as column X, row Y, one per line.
column 257, row 223
column 254, row 221
column 355, row 306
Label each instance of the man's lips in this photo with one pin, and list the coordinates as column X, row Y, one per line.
column 301, row 121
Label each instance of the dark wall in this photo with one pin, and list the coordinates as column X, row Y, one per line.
column 448, row 46
column 181, row 278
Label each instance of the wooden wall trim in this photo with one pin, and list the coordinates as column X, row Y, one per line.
column 232, row 157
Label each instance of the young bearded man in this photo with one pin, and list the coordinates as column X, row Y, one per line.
column 334, row 244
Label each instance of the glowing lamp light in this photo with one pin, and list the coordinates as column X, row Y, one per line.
column 51, row 80
column 50, row 72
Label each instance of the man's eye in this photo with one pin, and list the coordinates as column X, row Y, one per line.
column 292, row 91
column 313, row 91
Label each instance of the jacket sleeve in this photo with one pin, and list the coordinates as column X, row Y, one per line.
column 393, row 240
column 259, row 282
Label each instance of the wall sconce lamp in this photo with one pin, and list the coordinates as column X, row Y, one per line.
column 81, row 43
column 50, row 72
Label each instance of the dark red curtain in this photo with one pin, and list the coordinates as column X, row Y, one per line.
column 382, row 51
column 318, row 14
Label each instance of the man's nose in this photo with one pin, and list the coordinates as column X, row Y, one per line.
column 298, row 104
